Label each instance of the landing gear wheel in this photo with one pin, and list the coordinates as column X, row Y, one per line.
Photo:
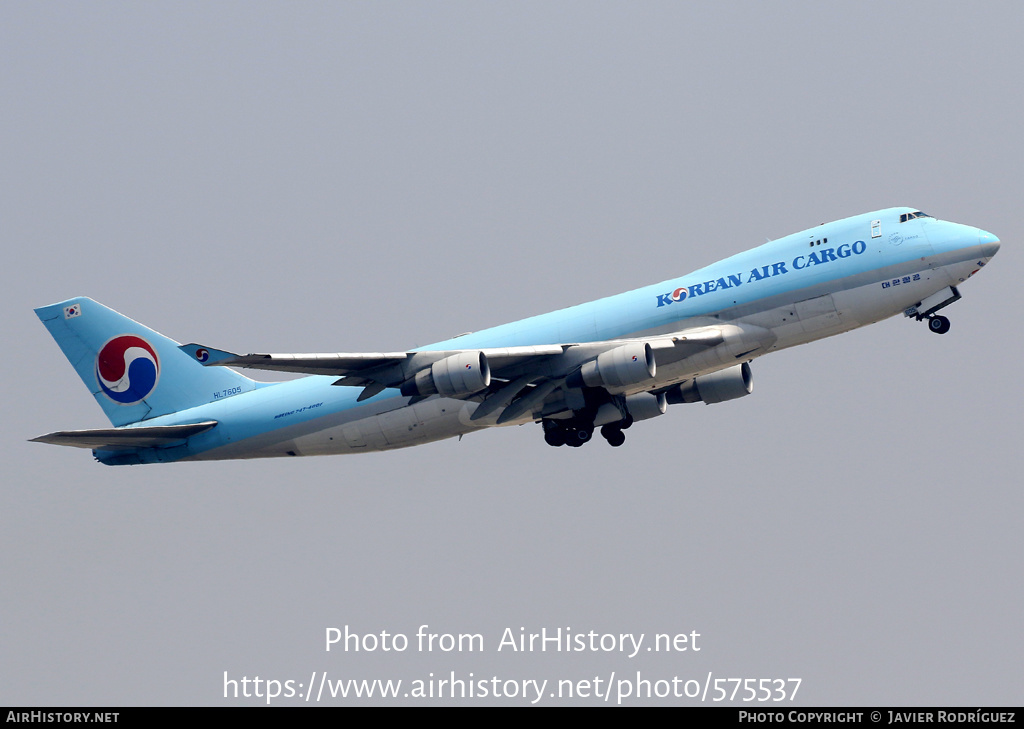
column 938, row 324
column 578, row 437
column 615, row 438
column 554, row 437
column 613, row 434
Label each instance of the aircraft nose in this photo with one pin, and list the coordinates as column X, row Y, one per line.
column 988, row 242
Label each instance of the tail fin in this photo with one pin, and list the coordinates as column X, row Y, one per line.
column 133, row 372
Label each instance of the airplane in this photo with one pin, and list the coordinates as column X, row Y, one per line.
column 599, row 365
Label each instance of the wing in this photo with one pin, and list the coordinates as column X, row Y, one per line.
column 310, row 364
column 515, row 383
column 453, row 373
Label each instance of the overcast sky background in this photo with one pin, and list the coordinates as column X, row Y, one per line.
column 375, row 176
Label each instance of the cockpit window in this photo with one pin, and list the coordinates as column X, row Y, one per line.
column 910, row 216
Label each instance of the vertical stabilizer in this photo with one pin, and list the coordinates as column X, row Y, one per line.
column 133, row 372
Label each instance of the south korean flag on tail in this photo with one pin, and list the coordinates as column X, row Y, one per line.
column 70, row 312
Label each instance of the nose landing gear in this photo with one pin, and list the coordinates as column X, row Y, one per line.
column 938, row 324
column 925, row 309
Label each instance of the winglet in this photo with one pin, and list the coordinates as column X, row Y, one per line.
column 207, row 355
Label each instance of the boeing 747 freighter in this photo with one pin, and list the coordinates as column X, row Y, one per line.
column 599, row 366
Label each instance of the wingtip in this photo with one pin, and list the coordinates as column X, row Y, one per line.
column 207, row 355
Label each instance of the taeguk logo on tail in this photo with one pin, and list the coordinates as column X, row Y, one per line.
column 127, row 369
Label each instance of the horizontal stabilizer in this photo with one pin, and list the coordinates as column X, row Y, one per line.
column 112, row 439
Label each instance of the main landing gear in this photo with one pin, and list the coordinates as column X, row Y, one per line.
column 613, row 434
column 560, row 436
column 573, row 433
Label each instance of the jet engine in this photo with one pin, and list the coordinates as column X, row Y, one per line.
column 622, row 366
column 727, row 384
column 642, row 406
column 456, row 376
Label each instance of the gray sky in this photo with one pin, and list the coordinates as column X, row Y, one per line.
column 349, row 177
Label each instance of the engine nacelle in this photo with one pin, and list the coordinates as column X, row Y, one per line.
column 641, row 406
column 644, row 405
column 727, row 384
column 456, row 376
column 619, row 367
